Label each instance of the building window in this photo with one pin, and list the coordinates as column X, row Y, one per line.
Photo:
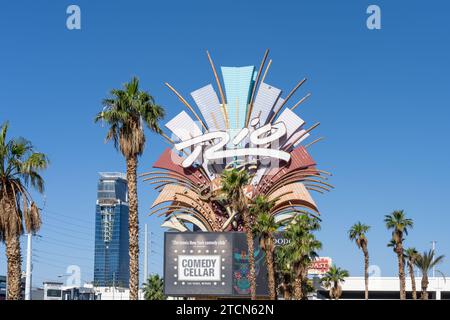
column 107, row 214
column 54, row 293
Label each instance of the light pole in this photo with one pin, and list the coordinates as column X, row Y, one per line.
column 29, row 263
column 433, row 247
column 28, row 268
column 145, row 253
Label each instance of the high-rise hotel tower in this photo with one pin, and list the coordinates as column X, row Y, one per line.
column 111, row 261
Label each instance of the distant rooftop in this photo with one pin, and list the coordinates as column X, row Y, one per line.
column 113, row 175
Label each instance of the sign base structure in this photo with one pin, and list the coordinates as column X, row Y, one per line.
column 211, row 264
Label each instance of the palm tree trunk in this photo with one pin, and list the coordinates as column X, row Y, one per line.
column 286, row 285
column 298, row 293
column 401, row 271
column 413, row 280
column 337, row 291
column 424, row 284
column 304, row 277
column 133, row 227
column 14, row 267
column 251, row 255
column 366, row 272
column 271, row 275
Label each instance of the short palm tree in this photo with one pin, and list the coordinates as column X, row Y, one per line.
column 284, row 272
column 233, row 183
column 411, row 255
column 304, row 255
column 399, row 224
column 265, row 227
column 333, row 279
column 426, row 262
column 301, row 250
column 154, row 288
column 20, row 168
column 126, row 112
column 358, row 233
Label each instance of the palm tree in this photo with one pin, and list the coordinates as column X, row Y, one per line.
column 284, row 272
column 301, row 250
column 154, row 288
column 399, row 224
column 233, row 183
column 126, row 111
column 358, row 233
column 411, row 254
column 265, row 228
column 426, row 262
column 20, row 168
column 332, row 279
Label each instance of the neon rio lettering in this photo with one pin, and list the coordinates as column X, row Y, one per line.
column 261, row 138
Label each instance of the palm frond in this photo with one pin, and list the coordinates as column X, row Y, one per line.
column 20, row 168
column 125, row 111
column 427, row 261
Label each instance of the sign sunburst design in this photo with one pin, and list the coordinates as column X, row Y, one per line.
column 246, row 125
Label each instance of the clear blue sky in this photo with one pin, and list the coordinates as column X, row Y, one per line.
column 382, row 98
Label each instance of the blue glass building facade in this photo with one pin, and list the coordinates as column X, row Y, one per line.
column 111, row 260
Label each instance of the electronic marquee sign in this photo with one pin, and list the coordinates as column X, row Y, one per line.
column 210, row 264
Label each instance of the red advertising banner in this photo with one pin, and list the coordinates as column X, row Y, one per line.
column 320, row 266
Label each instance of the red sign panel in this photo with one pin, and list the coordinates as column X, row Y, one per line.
column 320, row 266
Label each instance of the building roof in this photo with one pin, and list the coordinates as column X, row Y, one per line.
column 113, row 175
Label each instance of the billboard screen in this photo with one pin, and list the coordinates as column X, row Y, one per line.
column 210, row 263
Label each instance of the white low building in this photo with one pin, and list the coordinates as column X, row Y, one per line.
column 115, row 293
column 54, row 290
column 388, row 288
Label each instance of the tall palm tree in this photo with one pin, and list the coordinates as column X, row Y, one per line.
column 332, row 280
column 126, row 111
column 154, row 288
column 411, row 254
column 233, row 183
column 20, row 168
column 302, row 250
column 399, row 224
column 425, row 262
column 358, row 233
column 265, row 227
